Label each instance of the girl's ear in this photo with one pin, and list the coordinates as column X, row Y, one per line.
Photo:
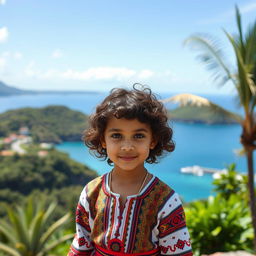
column 103, row 143
column 153, row 144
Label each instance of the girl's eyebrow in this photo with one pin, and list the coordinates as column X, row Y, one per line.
column 120, row 130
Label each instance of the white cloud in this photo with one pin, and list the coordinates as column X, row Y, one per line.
column 120, row 74
column 57, row 54
column 145, row 74
column 3, row 34
column 99, row 73
column 2, row 1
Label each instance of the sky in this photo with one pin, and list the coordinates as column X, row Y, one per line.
column 101, row 44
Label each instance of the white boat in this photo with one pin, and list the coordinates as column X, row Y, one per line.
column 200, row 171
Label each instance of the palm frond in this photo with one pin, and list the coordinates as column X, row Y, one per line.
column 56, row 243
column 35, row 231
column 240, row 31
column 7, row 230
column 245, row 84
column 55, row 226
column 29, row 211
column 20, row 228
column 212, row 56
column 9, row 250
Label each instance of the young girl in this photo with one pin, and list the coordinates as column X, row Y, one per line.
column 129, row 211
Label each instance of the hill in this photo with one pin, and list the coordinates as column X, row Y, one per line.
column 49, row 124
column 6, row 90
column 196, row 109
column 202, row 114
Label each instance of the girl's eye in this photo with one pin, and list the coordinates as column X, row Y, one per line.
column 139, row 136
column 116, row 136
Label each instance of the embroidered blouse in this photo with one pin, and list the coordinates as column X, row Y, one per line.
column 150, row 223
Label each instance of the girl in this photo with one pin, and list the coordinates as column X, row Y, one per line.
column 129, row 211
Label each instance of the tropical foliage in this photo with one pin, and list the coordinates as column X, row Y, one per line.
column 219, row 224
column 231, row 183
column 30, row 229
column 243, row 77
column 55, row 177
column 222, row 223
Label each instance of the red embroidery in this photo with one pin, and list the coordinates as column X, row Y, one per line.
column 82, row 217
column 172, row 222
column 116, row 245
column 81, row 241
column 179, row 245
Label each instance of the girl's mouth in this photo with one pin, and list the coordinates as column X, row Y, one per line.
column 127, row 158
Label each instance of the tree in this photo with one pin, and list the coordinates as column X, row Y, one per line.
column 243, row 76
column 30, row 230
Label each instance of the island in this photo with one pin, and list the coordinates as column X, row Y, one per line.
column 202, row 114
column 196, row 109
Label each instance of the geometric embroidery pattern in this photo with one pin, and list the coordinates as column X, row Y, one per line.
column 172, row 222
column 179, row 245
column 82, row 217
column 145, row 216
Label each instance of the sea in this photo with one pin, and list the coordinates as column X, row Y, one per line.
column 210, row 146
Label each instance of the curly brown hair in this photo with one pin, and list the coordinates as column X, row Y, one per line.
column 140, row 104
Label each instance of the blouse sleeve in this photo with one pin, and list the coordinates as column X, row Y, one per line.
column 82, row 244
column 173, row 233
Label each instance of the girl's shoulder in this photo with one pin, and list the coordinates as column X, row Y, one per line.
column 166, row 192
column 93, row 187
column 163, row 186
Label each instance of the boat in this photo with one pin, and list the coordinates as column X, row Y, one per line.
column 200, row 171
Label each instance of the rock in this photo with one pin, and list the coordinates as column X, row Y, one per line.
column 235, row 253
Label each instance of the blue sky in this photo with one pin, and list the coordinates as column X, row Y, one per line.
column 98, row 45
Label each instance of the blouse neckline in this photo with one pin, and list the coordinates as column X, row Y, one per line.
column 142, row 193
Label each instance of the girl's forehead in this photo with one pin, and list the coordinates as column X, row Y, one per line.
column 126, row 124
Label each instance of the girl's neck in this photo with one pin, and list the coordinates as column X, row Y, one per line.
column 128, row 177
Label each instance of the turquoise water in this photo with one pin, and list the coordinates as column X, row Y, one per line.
column 196, row 144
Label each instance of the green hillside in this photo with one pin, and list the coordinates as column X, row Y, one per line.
column 55, row 177
column 202, row 114
column 48, row 124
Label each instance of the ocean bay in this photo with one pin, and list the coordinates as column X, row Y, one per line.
column 196, row 144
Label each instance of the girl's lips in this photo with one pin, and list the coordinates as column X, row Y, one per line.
column 127, row 158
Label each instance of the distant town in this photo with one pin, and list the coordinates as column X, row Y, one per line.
column 14, row 144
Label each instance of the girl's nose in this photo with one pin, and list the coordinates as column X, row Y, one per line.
column 127, row 145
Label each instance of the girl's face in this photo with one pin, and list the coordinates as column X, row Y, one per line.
column 128, row 143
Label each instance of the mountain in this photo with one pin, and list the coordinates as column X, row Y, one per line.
column 6, row 90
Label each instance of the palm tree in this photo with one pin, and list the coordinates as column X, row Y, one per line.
column 29, row 230
column 243, row 76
